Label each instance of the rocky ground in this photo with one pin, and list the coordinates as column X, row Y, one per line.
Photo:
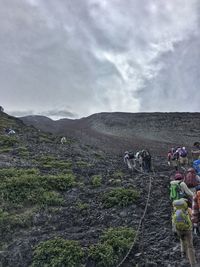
column 82, row 216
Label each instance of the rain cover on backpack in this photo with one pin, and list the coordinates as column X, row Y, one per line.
column 181, row 218
column 196, row 165
column 175, row 191
column 191, row 180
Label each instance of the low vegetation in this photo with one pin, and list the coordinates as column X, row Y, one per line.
column 96, row 180
column 120, row 197
column 58, row 252
column 113, row 245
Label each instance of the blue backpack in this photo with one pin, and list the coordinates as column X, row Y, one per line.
column 196, row 166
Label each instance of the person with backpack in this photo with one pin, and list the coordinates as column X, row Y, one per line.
column 173, row 158
column 138, row 160
column 191, row 179
column 179, row 189
column 63, row 140
column 196, row 209
column 196, row 166
column 129, row 159
column 183, row 159
column 146, row 160
column 182, row 223
column 195, row 151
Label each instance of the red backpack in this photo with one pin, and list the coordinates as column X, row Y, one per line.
column 190, row 179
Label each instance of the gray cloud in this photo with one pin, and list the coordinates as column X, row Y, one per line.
column 98, row 55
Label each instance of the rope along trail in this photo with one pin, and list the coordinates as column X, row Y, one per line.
column 143, row 216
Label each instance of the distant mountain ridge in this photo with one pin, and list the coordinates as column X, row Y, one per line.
column 147, row 128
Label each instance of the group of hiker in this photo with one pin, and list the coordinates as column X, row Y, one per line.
column 184, row 192
column 9, row 131
column 185, row 197
column 140, row 160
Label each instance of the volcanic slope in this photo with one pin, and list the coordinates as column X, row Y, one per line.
column 77, row 192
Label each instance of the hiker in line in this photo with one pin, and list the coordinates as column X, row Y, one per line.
column 146, row 160
column 179, row 189
column 191, row 179
column 9, row 131
column 196, row 166
column 195, row 151
column 173, row 158
column 63, row 140
column 129, row 159
column 183, row 159
column 196, row 210
column 138, row 160
column 182, row 223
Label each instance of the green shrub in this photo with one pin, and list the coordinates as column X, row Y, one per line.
column 32, row 189
column 13, row 172
column 103, row 255
column 114, row 243
column 119, row 238
column 96, row 180
column 52, row 162
column 50, row 198
column 120, row 197
column 82, row 206
column 8, row 141
column 56, row 253
column 11, row 222
column 83, row 164
column 22, row 152
column 118, row 174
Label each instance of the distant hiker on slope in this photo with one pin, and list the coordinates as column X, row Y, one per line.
column 173, row 158
column 182, row 223
column 195, row 151
column 138, row 160
column 146, row 160
column 129, row 159
column 183, row 159
column 196, row 210
column 63, row 140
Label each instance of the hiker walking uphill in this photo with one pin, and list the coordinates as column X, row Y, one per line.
column 179, row 189
column 195, row 151
column 146, row 160
column 143, row 160
column 129, row 159
column 191, row 179
column 196, row 210
column 63, row 140
column 196, row 166
column 182, row 223
column 183, row 159
column 173, row 158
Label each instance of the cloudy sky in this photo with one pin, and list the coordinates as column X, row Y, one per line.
column 73, row 58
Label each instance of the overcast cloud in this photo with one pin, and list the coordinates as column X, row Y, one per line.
column 74, row 58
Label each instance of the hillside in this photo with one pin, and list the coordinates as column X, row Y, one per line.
column 117, row 130
column 82, row 192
